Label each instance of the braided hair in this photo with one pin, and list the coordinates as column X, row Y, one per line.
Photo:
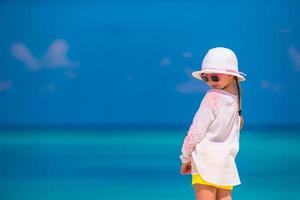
column 239, row 104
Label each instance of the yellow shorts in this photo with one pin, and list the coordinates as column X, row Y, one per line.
column 196, row 178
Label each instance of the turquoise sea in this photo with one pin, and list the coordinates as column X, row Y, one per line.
column 137, row 164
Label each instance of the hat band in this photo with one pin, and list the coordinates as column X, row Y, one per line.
column 228, row 70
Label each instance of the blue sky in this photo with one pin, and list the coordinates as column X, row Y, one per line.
column 101, row 62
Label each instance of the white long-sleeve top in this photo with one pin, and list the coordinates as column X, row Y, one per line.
column 212, row 141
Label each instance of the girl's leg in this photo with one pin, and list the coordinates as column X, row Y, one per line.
column 223, row 194
column 205, row 192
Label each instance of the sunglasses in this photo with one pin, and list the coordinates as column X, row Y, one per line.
column 214, row 78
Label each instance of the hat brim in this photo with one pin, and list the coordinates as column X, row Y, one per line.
column 196, row 74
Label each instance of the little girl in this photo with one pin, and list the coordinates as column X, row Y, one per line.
column 212, row 142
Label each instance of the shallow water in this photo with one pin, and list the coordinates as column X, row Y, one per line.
column 136, row 165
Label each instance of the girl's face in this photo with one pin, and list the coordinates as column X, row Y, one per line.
column 224, row 80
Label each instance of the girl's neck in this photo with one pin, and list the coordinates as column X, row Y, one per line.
column 231, row 88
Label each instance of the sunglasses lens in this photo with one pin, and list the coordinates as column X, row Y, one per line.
column 214, row 78
column 204, row 78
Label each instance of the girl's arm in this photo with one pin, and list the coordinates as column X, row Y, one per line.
column 201, row 121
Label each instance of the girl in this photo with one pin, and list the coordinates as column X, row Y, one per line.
column 212, row 142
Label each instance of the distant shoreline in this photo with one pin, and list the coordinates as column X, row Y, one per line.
column 128, row 127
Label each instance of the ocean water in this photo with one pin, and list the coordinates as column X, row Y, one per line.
column 137, row 164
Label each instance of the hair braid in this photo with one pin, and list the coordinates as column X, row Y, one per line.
column 239, row 103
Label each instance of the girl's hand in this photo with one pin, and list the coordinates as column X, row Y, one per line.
column 185, row 168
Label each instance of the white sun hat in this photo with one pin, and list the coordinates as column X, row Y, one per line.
column 220, row 60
